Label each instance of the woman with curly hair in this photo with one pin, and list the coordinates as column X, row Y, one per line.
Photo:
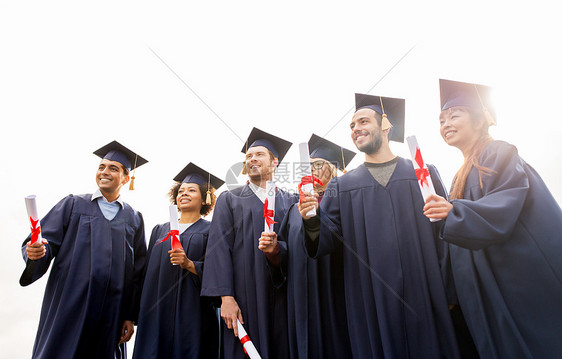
column 503, row 226
column 174, row 321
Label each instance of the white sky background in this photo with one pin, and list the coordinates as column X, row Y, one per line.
column 75, row 75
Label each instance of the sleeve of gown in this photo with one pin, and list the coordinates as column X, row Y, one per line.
column 219, row 277
column 53, row 229
column 199, row 264
column 140, row 256
column 490, row 219
column 330, row 223
column 442, row 246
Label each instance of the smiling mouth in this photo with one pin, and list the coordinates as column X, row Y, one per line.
column 449, row 134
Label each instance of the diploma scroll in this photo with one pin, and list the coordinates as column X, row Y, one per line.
column 269, row 206
column 249, row 347
column 422, row 172
column 31, row 206
column 307, row 173
column 174, row 228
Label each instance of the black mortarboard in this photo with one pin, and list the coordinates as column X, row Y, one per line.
column 195, row 174
column 455, row 93
column 393, row 108
column 114, row 151
column 319, row 147
column 278, row 146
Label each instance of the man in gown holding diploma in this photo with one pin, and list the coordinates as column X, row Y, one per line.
column 249, row 282
column 395, row 297
column 97, row 242
column 315, row 287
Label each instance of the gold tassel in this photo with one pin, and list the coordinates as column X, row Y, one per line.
column 132, row 184
column 244, row 172
column 489, row 118
column 208, row 200
column 385, row 124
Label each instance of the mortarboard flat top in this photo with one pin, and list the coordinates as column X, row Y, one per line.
column 277, row 145
column 395, row 109
column 195, row 174
column 322, row 148
column 455, row 93
column 114, row 151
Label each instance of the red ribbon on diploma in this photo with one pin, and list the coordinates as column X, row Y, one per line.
column 176, row 244
column 268, row 214
column 309, row 179
column 35, row 230
column 244, row 340
column 421, row 173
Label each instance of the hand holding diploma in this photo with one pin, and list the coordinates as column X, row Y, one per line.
column 268, row 242
column 35, row 248
column 307, row 201
column 422, row 172
column 437, row 207
column 307, row 181
column 230, row 313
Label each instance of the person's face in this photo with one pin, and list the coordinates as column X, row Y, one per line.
column 458, row 128
column 258, row 163
column 366, row 132
column 110, row 176
column 189, row 198
column 321, row 170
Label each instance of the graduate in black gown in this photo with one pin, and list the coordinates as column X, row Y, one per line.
column 315, row 287
column 396, row 302
column 248, row 282
column 97, row 245
column 504, row 228
column 174, row 321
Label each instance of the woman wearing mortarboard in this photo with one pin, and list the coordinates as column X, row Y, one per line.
column 174, row 321
column 504, row 228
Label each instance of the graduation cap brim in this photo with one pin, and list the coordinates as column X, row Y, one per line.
column 456, row 93
column 195, row 174
column 114, row 151
column 275, row 144
column 329, row 151
column 395, row 109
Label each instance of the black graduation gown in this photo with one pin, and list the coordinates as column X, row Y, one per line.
column 506, row 255
column 394, row 292
column 95, row 280
column 234, row 266
column 174, row 321
column 315, row 296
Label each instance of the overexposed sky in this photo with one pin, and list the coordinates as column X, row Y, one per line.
column 181, row 81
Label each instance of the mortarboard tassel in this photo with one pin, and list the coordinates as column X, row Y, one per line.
column 132, row 184
column 208, row 199
column 487, row 115
column 385, row 123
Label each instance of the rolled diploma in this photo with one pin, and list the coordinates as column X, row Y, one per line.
column 270, row 196
column 305, row 166
column 428, row 189
column 174, row 225
column 31, row 206
column 246, row 342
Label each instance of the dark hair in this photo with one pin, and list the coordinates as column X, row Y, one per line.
column 459, row 181
column 206, row 208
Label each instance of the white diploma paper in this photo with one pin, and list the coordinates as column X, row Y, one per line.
column 31, row 206
column 305, row 166
column 418, row 162
column 248, row 345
